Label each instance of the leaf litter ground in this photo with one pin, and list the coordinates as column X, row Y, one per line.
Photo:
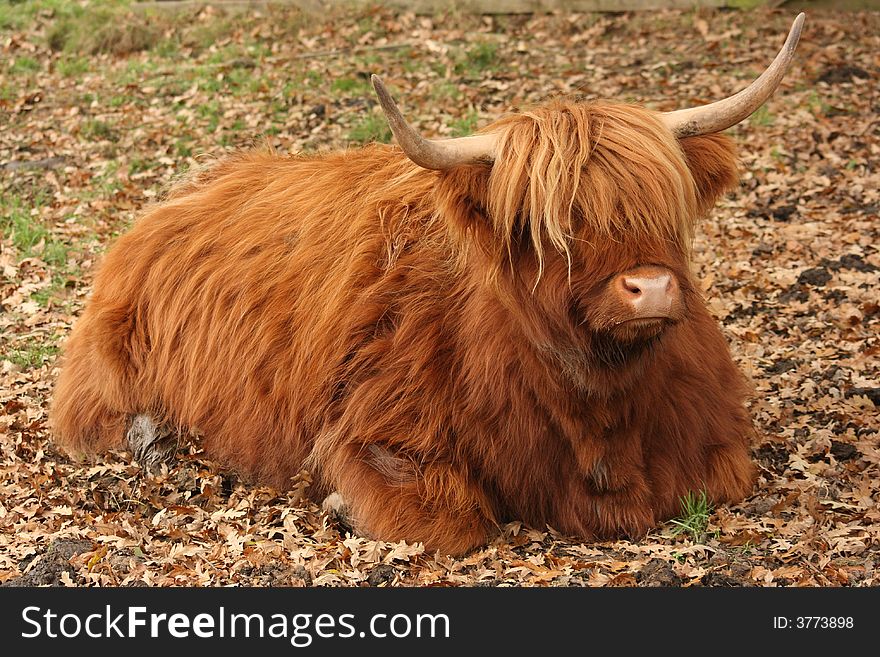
column 788, row 262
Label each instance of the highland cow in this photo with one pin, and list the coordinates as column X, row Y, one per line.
column 449, row 334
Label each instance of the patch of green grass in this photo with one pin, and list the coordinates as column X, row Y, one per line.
column 59, row 34
column 744, row 550
column 211, row 112
column 94, row 129
column 226, row 54
column 207, row 80
column 243, row 80
column 260, row 85
column 71, row 67
column 483, row 54
column 416, row 65
column 101, row 190
column 372, row 127
column 694, row 518
column 106, row 183
column 10, row 17
column 183, row 147
column 136, row 71
column 444, row 90
column 259, row 49
column 62, row 278
column 205, row 34
column 19, row 14
column 367, row 62
column 369, row 23
column 313, row 78
column 7, row 92
column 110, row 26
column 168, row 48
column 102, row 26
column 438, row 66
column 762, row 117
column 353, row 86
column 55, row 253
column 25, row 231
column 817, row 106
column 290, row 88
column 120, row 35
column 479, row 57
column 137, row 165
column 24, row 65
column 45, row 295
column 28, row 234
column 464, row 126
column 32, row 354
column 745, row 4
column 168, row 86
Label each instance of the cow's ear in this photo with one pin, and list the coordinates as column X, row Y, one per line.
column 460, row 195
column 713, row 164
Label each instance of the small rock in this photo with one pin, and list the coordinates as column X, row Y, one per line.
column 48, row 569
column 871, row 393
column 843, row 451
column 658, row 573
column 782, row 365
column 720, row 579
column 842, row 73
column 301, row 573
column 719, row 558
column 740, row 570
column 783, row 212
column 762, row 506
column 817, row 276
column 381, row 574
column 853, row 261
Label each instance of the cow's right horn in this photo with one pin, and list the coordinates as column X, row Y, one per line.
column 439, row 154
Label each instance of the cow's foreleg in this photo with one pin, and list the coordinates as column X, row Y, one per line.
column 731, row 474
column 383, row 495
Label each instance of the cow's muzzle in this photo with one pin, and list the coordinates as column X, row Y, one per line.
column 648, row 295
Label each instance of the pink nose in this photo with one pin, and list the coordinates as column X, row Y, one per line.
column 651, row 292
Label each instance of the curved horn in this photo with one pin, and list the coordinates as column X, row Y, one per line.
column 437, row 154
column 723, row 114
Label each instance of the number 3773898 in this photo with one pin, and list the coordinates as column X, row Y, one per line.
column 813, row 622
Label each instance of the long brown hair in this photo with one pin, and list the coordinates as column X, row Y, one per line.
column 430, row 343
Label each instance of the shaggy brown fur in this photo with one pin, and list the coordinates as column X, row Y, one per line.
column 442, row 349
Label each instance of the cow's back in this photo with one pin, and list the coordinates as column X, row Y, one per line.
column 248, row 289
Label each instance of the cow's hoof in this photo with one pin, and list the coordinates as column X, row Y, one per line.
column 150, row 443
column 337, row 510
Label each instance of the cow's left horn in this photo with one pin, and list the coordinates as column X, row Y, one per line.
column 437, row 154
column 723, row 114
